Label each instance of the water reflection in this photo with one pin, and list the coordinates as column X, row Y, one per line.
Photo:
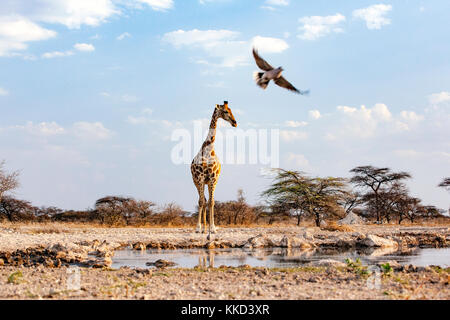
column 276, row 257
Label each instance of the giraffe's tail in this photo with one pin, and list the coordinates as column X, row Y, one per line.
column 258, row 77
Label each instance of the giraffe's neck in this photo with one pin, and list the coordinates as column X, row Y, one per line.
column 209, row 141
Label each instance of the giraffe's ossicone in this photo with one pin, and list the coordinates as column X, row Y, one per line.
column 205, row 167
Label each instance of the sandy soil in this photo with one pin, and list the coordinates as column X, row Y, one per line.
column 221, row 283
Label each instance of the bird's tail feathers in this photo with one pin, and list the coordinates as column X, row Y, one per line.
column 259, row 81
column 257, row 76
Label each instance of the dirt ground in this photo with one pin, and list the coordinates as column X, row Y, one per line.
column 26, row 280
column 221, row 283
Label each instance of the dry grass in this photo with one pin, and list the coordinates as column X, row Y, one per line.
column 333, row 226
column 62, row 227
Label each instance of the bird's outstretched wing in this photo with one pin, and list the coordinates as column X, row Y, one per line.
column 282, row 82
column 262, row 64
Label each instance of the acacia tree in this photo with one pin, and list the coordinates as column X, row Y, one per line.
column 376, row 181
column 445, row 184
column 408, row 207
column 350, row 200
column 16, row 210
column 8, row 181
column 112, row 209
column 317, row 197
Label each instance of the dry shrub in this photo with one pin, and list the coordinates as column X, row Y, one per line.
column 170, row 215
column 333, row 226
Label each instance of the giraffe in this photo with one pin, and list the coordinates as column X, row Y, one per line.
column 205, row 168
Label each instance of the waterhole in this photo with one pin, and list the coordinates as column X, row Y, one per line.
column 275, row 257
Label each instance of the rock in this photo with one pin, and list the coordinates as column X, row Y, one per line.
column 61, row 255
column 329, row 263
column 161, row 263
column 323, row 223
column 393, row 264
column 351, row 218
column 409, row 268
column 101, row 262
column 379, row 251
column 212, row 245
column 259, row 241
column 345, row 243
column 57, row 248
column 292, row 242
column 57, row 263
column 143, row 271
column 49, row 263
column 139, row 246
column 306, row 235
column 375, row 241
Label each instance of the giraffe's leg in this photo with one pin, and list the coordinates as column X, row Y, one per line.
column 201, row 207
column 204, row 217
column 211, row 188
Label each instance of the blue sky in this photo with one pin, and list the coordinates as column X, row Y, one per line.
column 91, row 91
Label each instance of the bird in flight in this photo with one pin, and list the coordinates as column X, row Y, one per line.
column 270, row 73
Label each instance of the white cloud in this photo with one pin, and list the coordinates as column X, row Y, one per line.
column 91, row 131
column 379, row 112
column 295, row 124
column 406, row 153
column 144, row 118
column 3, row 92
column 362, row 122
column 137, row 120
column 158, row 5
column 212, row 1
column 292, row 135
column 368, row 122
column 411, row 116
column 222, row 45
column 20, row 19
column 85, row 47
column 298, row 160
column 57, row 54
column 411, row 153
column 123, row 36
column 199, row 38
column 314, row 114
column 437, row 98
column 277, row 2
column 16, row 31
column 219, row 44
column 41, row 129
column 408, row 119
column 71, row 13
column 315, row 27
column 374, row 15
column 269, row 45
column 268, row 8
column 147, row 111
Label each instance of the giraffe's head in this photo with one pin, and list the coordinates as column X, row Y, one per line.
column 226, row 114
